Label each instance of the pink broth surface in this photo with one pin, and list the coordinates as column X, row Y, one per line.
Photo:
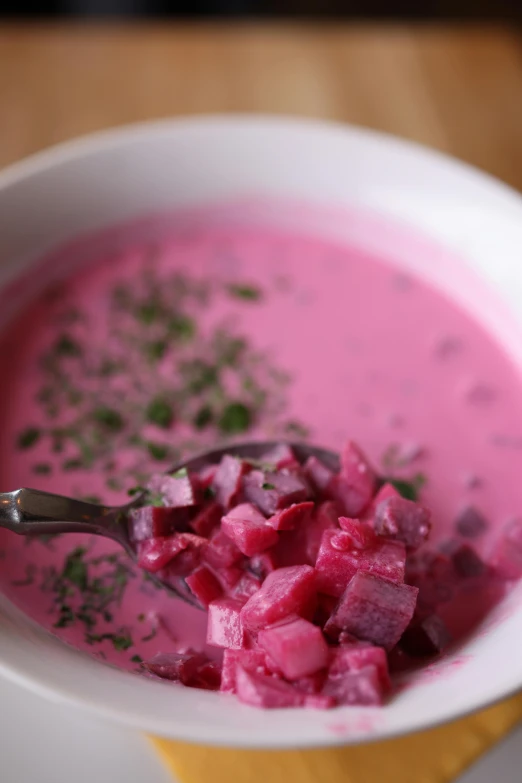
column 159, row 350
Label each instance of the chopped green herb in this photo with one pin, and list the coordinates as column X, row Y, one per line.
column 72, row 464
column 42, row 468
column 122, row 642
column 235, row 418
column 159, row 412
column 67, row 346
column 409, row 489
column 267, row 485
column 113, row 484
column 75, row 570
column 157, row 451
column 203, row 417
column 199, row 375
column 136, row 659
column 66, row 617
column 28, row 437
column 148, row 312
column 180, row 474
column 155, row 350
column 248, row 292
column 181, row 327
column 209, row 493
column 137, row 490
column 108, row 418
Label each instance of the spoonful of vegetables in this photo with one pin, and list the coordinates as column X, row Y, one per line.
column 224, row 519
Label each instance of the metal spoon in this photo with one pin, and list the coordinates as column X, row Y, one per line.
column 30, row 512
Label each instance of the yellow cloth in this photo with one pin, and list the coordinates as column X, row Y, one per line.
column 434, row 756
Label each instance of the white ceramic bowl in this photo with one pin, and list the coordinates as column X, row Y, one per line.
column 120, row 175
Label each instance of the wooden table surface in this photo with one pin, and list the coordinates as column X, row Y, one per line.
column 455, row 88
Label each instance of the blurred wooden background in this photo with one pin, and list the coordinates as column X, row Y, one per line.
column 455, row 88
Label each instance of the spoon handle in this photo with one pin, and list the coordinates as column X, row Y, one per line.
column 32, row 512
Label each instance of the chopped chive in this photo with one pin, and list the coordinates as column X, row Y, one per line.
column 180, row 474
column 28, row 437
column 157, row 451
column 136, row 659
column 159, row 412
column 121, row 642
column 155, row 350
column 67, row 346
column 203, row 417
column 267, row 485
column 235, row 418
column 42, row 468
column 148, row 312
column 181, row 327
column 72, row 464
column 108, row 418
column 249, row 292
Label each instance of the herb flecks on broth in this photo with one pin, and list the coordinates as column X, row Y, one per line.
column 165, row 381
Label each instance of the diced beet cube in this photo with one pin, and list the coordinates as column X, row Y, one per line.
column 354, row 657
column 175, row 666
column 251, row 660
column 248, row 529
column 246, row 587
column 281, row 456
column 221, row 551
column 467, row 563
column 357, row 480
column 403, row 520
column 273, row 491
column 224, row 626
column 294, row 515
column 337, row 561
column 204, row 585
column 207, row 677
column 325, row 518
column 206, row 520
column 227, row 480
column 374, row 609
column 362, row 687
column 178, row 491
column 325, row 606
column 229, row 576
column 297, row 647
column 156, row 553
column 434, row 574
column 188, row 559
column 263, row 564
column 318, row 474
column 470, row 523
column 361, row 534
column 346, row 638
column 152, row 522
column 385, row 492
column 206, row 476
column 426, row 638
column 284, row 592
column 312, row 683
column 261, row 690
column 507, row 552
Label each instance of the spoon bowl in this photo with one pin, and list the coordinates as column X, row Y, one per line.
column 31, row 512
